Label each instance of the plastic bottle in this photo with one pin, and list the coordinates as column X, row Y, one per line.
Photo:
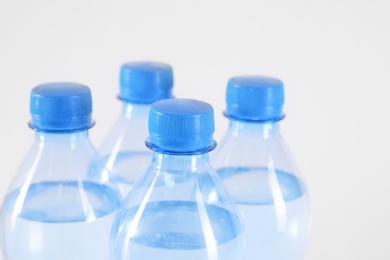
column 178, row 209
column 124, row 151
column 61, row 203
column 256, row 168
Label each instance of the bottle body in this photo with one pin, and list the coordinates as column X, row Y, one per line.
column 177, row 210
column 61, row 202
column 124, row 151
column 257, row 170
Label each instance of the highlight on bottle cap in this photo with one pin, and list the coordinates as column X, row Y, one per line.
column 61, row 107
column 254, row 98
column 145, row 82
column 181, row 125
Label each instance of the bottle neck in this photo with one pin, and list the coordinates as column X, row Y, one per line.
column 71, row 139
column 131, row 110
column 264, row 129
column 187, row 163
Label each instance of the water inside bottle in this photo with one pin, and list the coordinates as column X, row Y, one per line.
column 181, row 230
column 273, row 206
column 59, row 220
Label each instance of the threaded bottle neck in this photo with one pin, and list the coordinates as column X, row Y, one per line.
column 181, row 163
column 132, row 110
column 264, row 129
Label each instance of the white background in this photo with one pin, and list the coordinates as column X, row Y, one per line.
column 333, row 56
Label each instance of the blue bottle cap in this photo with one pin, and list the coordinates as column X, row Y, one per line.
column 61, row 107
column 145, row 82
column 254, row 98
column 181, row 125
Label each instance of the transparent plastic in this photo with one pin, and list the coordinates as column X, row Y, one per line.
column 256, row 168
column 61, row 203
column 178, row 209
column 124, row 150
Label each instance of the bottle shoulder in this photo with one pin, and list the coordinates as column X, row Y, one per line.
column 60, row 160
column 235, row 143
column 186, row 184
column 126, row 134
column 253, row 169
column 253, row 151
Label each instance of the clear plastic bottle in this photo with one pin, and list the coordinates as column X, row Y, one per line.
column 178, row 209
column 61, row 203
column 256, row 168
column 124, row 151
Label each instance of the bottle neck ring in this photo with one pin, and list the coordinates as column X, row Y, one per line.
column 183, row 152
column 268, row 120
column 61, row 131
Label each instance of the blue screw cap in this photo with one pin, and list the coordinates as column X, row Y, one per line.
column 181, row 125
column 145, row 82
column 61, row 107
column 254, row 98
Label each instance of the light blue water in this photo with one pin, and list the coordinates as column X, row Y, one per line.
column 126, row 167
column 274, row 209
column 178, row 230
column 58, row 220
